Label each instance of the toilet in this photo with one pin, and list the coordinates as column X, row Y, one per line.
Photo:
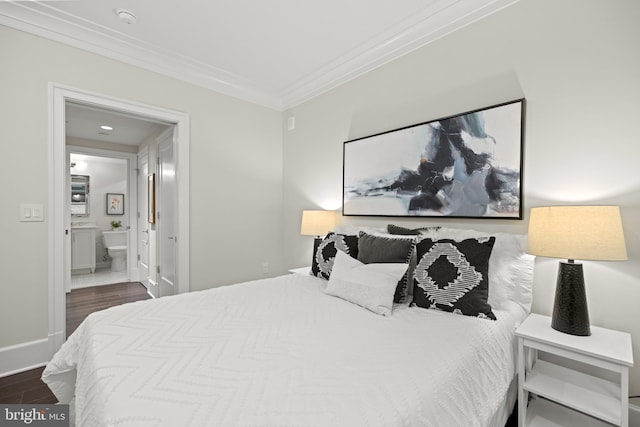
column 116, row 244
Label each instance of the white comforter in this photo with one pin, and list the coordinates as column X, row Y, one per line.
column 280, row 352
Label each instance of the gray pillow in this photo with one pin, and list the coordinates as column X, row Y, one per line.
column 380, row 249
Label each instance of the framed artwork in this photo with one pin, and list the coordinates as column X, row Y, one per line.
column 115, row 204
column 151, row 199
column 463, row 166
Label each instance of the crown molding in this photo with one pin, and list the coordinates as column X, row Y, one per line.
column 436, row 21
column 105, row 42
column 440, row 18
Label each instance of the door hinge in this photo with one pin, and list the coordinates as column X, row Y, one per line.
column 138, row 257
column 158, row 269
column 158, row 215
column 138, row 215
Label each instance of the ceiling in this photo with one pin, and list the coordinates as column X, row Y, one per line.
column 85, row 122
column 275, row 53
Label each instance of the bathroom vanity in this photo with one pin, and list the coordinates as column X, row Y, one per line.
column 83, row 247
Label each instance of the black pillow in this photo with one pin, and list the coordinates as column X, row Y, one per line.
column 380, row 249
column 403, row 231
column 454, row 276
column 324, row 252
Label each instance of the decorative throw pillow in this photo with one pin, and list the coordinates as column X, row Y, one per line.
column 324, row 252
column 369, row 285
column 453, row 276
column 403, row 231
column 380, row 249
column 510, row 270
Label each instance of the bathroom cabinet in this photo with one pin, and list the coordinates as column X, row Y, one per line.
column 83, row 249
column 80, row 195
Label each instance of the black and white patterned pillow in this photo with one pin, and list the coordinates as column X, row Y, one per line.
column 453, row 276
column 324, row 252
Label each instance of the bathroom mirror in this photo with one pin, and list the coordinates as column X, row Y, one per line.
column 80, row 195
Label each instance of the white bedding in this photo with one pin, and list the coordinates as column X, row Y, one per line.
column 281, row 352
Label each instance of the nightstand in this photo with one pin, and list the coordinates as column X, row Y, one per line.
column 594, row 395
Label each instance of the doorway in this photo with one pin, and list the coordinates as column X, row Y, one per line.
column 105, row 174
column 59, row 221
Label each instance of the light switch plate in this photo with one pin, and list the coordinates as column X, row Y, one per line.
column 31, row 212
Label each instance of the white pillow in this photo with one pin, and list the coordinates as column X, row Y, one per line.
column 510, row 268
column 371, row 286
column 522, row 276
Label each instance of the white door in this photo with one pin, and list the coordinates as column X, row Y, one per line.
column 67, row 223
column 143, row 218
column 166, row 214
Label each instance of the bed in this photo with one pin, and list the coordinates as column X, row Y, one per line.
column 284, row 351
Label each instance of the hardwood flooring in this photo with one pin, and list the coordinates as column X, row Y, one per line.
column 83, row 302
column 27, row 387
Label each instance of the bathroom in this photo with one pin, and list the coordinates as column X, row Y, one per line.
column 97, row 205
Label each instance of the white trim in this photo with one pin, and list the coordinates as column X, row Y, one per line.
column 22, row 357
column 121, row 47
column 432, row 23
column 58, row 96
column 440, row 18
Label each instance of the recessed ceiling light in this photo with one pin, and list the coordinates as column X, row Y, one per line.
column 126, row 15
column 105, row 127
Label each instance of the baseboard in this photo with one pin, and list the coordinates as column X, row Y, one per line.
column 25, row 356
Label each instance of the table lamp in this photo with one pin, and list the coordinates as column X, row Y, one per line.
column 317, row 223
column 575, row 232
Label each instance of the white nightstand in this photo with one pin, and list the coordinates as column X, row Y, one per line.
column 568, row 397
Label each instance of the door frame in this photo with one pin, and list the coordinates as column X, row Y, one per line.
column 58, row 96
column 131, row 200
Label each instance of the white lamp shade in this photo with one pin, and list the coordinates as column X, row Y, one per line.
column 577, row 232
column 317, row 223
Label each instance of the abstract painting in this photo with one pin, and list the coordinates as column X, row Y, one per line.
column 463, row 166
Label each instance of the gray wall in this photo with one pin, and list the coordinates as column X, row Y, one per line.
column 235, row 173
column 577, row 64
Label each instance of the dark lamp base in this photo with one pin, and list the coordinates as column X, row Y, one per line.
column 570, row 312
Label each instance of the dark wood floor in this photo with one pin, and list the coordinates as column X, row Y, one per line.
column 83, row 302
column 27, row 387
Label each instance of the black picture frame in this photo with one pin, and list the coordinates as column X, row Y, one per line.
column 468, row 165
column 115, row 204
